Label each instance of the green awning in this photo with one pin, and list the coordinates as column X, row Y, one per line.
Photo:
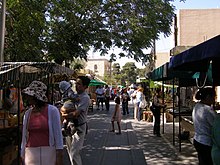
column 185, row 78
column 94, row 82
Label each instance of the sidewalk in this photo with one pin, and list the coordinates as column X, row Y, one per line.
column 135, row 146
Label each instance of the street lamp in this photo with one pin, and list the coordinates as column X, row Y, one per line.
column 2, row 41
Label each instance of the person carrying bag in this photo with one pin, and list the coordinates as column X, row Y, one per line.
column 156, row 108
column 143, row 102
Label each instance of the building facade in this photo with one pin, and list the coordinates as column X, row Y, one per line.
column 197, row 25
column 161, row 58
column 99, row 67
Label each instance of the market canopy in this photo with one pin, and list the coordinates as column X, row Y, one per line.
column 29, row 71
column 185, row 78
column 94, row 82
column 200, row 58
column 163, row 73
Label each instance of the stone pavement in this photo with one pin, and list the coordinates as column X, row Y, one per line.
column 135, row 146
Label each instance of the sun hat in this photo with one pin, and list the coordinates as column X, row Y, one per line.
column 64, row 86
column 37, row 89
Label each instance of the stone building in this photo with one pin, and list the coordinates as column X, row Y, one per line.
column 100, row 67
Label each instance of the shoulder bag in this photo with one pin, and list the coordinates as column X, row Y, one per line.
column 143, row 103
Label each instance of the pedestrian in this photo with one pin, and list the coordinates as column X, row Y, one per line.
column 100, row 96
column 216, row 141
column 7, row 101
column 107, row 94
column 139, row 98
column 203, row 117
column 116, row 116
column 75, row 142
column 42, row 140
column 134, row 96
column 124, row 99
column 157, row 104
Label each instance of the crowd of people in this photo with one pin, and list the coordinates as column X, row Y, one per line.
column 42, row 119
column 43, row 134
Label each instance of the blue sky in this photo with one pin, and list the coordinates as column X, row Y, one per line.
column 197, row 4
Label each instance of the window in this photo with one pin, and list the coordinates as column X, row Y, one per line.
column 95, row 68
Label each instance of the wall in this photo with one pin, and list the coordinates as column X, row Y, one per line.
column 103, row 66
column 197, row 25
column 161, row 58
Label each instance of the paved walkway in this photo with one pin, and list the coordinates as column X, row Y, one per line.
column 135, row 146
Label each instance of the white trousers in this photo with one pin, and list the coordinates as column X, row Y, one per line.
column 75, row 144
column 40, row 155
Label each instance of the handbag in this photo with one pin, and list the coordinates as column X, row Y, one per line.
column 39, row 155
column 143, row 103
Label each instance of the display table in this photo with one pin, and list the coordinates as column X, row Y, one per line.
column 170, row 114
column 187, row 125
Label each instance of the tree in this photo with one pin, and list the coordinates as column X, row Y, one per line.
column 141, row 72
column 116, row 76
column 129, row 73
column 25, row 24
column 78, row 64
column 65, row 30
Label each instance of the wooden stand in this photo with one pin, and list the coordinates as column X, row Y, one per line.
column 148, row 116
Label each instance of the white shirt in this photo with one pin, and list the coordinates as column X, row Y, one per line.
column 100, row 92
column 203, row 117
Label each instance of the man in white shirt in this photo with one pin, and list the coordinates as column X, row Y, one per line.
column 100, row 96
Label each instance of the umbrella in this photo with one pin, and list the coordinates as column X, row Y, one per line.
column 96, row 83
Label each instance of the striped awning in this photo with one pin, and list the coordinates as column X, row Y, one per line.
column 10, row 71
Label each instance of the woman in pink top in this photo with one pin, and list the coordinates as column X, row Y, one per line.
column 42, row 140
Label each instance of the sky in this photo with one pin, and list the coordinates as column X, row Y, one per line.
column 165, row 44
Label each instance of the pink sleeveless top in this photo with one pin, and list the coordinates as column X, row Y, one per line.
column 38, row 129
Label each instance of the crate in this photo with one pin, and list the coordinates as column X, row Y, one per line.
column 147, row 116
column 8, row 156
column 4, row 114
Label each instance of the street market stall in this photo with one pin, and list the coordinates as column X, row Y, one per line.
column 18, row 75
column 94, row 83
column 203, row 59
column 185, row 82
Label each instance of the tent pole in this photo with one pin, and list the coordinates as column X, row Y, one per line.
column 173, row 114
column 18, row 115
column 163, row 104
column 179, row 122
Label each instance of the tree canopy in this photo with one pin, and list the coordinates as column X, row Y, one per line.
column 68, row 29
column 129, row 73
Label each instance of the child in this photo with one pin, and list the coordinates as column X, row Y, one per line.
column 117, row 116
column 69, row 99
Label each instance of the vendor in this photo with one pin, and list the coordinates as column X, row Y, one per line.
column 7, row 101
